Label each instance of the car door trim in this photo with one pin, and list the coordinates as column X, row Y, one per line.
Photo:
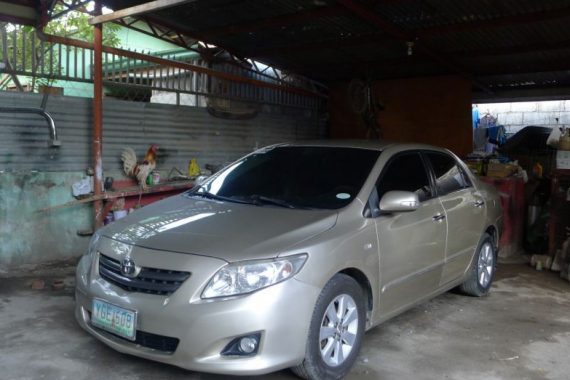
column 411, row 276
column 460, row 253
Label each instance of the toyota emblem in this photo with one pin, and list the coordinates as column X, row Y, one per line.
column 129, row 269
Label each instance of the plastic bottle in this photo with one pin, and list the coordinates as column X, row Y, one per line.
column 537, row 170
column 193, row 169
column 564, row 140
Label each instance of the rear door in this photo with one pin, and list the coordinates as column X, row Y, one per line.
column 465, row 211
column 411, row 244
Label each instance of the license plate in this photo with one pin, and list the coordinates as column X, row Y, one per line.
column 115, row 319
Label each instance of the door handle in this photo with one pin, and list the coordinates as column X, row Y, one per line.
column 479, row 203
column 439, row 217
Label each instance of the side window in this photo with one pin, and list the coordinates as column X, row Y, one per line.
column 406, row 173
column 448, row 176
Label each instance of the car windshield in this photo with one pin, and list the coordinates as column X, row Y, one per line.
column 305, row 177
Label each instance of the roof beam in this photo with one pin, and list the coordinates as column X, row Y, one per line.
column 157, row 26
column 18, row 14
column 293, row 18
column 174, row 64
column 418, row 59
column 528, row 93
column 153, row 6
column 520, row 69
column 288, row 19
column 321, row 45
column 421, row 33
column 371, row 17
column 496, row 22
column 70, row 7
column 521, row 49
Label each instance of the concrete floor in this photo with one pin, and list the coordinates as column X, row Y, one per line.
column 520, row 331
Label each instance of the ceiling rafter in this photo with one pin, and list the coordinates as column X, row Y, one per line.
column 495, row 22
column 160, row 31
column 288, row 19
column 373, row 18
column 176, row 64
column 69, row 5
column 418, row 59
column 418, row 34
column 528, row 68
column 321, row 45
column 293, row 18
column 136, row 10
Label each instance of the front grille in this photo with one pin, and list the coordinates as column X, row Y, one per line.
column 149, row 280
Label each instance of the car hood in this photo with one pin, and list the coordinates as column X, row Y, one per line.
column 224, row 230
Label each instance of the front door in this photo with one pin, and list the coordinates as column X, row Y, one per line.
column 464, row 208
column 411, row 244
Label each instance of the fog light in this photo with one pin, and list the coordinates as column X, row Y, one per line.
column 243, row 346
column 247, row 345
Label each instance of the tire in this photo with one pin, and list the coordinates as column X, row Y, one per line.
column 483, row 269
column 341, row 289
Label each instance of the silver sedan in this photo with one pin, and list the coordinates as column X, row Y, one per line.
column 287, row 256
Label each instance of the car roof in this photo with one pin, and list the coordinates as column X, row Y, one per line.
column 365, row 144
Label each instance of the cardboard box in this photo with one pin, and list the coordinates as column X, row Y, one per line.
column 501, row 170
column 475, row 167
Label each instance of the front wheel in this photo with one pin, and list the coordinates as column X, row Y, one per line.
column 336, row 331
column 482, row 271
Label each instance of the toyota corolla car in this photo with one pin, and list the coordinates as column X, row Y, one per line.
column 287, row 256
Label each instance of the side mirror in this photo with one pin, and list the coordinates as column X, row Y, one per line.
column 399, row 201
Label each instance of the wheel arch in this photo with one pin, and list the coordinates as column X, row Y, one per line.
column 494, row 233
column 362, row 280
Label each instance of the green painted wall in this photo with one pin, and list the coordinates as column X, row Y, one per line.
column 29, row 238
column 130, row 39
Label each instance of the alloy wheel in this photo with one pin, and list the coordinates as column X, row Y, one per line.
column 485, row 265
column 339, row 329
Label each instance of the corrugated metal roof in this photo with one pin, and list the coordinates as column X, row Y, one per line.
column 349, row 45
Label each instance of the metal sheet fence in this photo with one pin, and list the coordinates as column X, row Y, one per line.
column 181, row 132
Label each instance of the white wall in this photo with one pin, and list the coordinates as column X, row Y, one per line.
column 515, row 116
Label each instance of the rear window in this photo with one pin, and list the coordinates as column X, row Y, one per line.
column 303, row 176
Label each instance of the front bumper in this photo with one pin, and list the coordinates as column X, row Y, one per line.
column 281, row 313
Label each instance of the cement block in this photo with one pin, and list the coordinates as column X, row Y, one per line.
column 517, row 128
column 511, row 118
column 513, row 128
column 538, row 118
column 564, row 118
column 524, row 107
column 551, row 106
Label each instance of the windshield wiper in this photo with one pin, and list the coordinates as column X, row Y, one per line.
column 206, row 194
column 257, row 199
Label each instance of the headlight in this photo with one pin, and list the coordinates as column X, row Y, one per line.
column 249, row 276
column 93, row 243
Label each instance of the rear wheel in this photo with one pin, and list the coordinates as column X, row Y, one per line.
column 482, row 271
column 336, row 331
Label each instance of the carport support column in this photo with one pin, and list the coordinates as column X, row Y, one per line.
column 98, row 118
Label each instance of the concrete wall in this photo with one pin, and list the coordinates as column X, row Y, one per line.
column 427, row 110
column 515, row 116
column 28, row 237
